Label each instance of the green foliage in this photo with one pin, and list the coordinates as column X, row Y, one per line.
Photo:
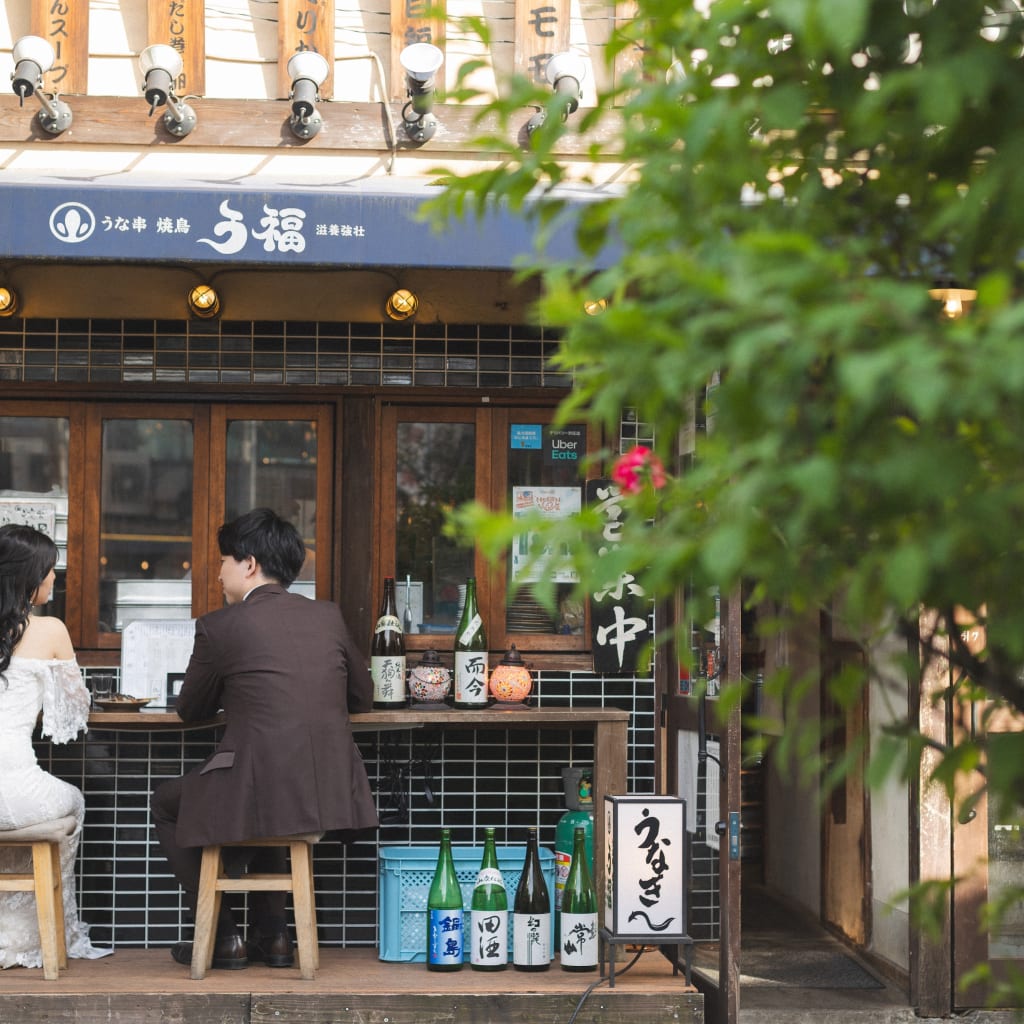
column 810, row 173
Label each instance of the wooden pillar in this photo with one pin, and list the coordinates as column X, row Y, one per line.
column 181, row 24
column 931, row 959
column 65, row 26
column 304, row 25
column 414, row 21
column 542, row 30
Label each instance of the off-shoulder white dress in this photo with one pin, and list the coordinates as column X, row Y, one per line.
column 29, row 795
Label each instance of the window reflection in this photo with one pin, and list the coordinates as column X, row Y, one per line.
column 34, row 485
column 544, row 476
column 435, row 472
column 145, row 521
column 1005, row 866
column 272, row 464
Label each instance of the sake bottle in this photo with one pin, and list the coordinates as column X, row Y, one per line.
column 470, row 654
column 578, row 938
column 387, row 653
column 488, row 914
column 531, row 913
column 444, row 913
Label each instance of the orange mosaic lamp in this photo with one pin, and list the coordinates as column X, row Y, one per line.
column 511, row 682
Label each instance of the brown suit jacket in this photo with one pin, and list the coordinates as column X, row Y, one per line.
column 287, row 675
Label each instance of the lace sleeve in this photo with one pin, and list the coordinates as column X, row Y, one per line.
column 65, row 702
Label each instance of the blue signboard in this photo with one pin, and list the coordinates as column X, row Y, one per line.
column 226, row 224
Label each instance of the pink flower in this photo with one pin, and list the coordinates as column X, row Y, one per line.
column 636, row 466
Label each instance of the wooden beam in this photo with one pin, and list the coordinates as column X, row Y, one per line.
column 304, row 25
column 542, row 30
column 182, row 24
column 415, row 21
column 65, row 25
column 261, row 125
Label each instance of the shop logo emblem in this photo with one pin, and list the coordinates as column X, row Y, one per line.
column 72, row 222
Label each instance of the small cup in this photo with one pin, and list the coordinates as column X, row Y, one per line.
column 102, row 688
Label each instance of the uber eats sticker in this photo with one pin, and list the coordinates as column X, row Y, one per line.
column 565, row 446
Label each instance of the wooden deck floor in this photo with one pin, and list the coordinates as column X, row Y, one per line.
column 352, row 987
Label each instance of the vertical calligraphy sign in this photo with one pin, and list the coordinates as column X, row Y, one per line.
column 619, row 611
column 414, row 21
column 305, row 25
column 64, row 24
column 182, row 24
column 542, row 30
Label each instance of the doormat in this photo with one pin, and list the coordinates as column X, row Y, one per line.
column 802, row 968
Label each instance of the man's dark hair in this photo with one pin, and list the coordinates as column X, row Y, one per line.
column 274, row 543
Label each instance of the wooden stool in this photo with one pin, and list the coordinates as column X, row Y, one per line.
column 44, row 880
column 298, row 881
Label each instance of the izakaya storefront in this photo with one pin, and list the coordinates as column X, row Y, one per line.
column 133, row 429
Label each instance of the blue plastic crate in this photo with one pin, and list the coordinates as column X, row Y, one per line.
column 405, row 876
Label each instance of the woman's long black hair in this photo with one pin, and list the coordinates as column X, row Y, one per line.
column 26, row 558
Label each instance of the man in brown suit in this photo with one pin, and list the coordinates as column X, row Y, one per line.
column 287, row 675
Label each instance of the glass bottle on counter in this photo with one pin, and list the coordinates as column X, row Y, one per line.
column 470, row 654
column 387, row 653
column 488, row 915
column 578, row 938
column 444, row 913
column 531, row 913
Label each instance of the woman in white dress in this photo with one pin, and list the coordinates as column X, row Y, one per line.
column 38, row 672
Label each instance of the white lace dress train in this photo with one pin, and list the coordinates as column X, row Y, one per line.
column 29, row 795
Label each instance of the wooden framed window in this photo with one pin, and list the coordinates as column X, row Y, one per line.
column 433, row 459
column 136, row 492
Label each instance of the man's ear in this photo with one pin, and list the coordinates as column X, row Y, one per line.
column 252, row 567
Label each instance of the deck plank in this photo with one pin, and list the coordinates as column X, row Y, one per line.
column 144, row 986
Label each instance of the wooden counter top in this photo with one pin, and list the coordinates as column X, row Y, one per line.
column 500, row 717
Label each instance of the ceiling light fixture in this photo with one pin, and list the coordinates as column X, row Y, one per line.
column 161, row 65
column 8, row 301
column 401, row 304
column 204, row 302
column 955, row 300
column 33, row 57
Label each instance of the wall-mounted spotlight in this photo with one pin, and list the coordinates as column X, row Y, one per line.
column 595, row 307
column 33, row 57
column 565, row 73
column 308, row 70
column 401, row 304
column 421, row 61
column 203, row 301
column 161, row 64
column 8, row 301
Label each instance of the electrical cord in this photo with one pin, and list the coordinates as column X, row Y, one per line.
column 600, row 981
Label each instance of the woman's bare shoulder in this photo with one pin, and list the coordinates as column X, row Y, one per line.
column 45, row 637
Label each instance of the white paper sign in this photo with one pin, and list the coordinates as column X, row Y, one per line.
column 154, row 656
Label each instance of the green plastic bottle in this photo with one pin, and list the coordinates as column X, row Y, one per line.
column 444, row 913
column 578, row 939
column 488, row 915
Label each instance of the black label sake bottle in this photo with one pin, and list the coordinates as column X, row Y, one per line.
column 387, row 653
column 531, row 913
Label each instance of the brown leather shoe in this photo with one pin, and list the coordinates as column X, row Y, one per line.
column 272, row 950
column 228, row 953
